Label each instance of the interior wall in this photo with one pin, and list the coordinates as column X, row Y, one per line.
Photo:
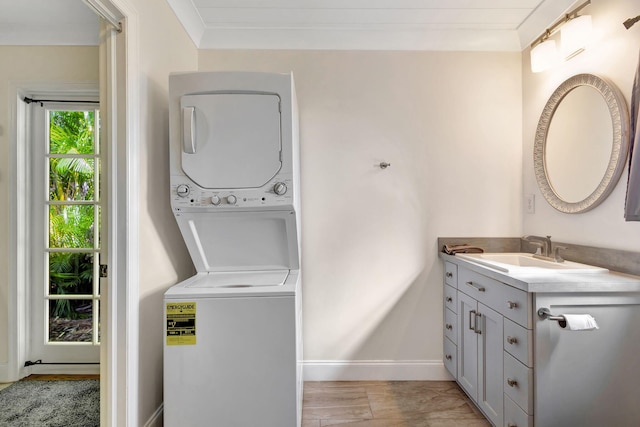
column 163, row 260
column 25, row 64
column 450, row 125
column 613, row 54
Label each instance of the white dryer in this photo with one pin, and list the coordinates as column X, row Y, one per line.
column 232, row 341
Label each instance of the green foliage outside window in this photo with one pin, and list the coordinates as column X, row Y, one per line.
column 71, row 179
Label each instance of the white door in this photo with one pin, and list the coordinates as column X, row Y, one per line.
column 64, row 212
column 231, row 140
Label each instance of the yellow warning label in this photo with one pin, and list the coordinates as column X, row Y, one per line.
column 181, row 323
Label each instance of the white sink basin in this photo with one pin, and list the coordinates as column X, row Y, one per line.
column 525, row 262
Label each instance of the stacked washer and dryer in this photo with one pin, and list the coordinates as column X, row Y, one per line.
column 233, row 347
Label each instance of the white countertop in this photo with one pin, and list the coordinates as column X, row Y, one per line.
column 553, row 280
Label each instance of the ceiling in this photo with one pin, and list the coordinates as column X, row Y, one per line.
column 476, row 25
column 47, row 22
column 502, row 25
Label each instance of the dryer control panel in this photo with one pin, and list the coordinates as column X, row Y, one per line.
column 276, row 194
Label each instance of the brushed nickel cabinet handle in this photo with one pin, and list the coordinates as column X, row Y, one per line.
column 448, row 357
column 472, row 313
column 448, row 326
column 512, row 340
column 512, row 383
column 477, row 287
column 449, row 299
column 449, row 274
column 476, row 329
column 512, row 305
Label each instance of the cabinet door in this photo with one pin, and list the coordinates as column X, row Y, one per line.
column 588, row 378
column 490, row 361
column 468, row 345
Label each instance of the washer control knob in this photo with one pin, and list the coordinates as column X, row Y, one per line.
column 280, row 188
column 183, row 190
column 215, row 200
column 231, row 199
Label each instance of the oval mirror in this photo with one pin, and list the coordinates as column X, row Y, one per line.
column 581, row 143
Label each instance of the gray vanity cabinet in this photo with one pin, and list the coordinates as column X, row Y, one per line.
column 490, row 322
column 523, row 368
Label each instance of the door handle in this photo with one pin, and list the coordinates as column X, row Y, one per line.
column 477, row 330
column 477, row 287
column 472, row 312
column 188, row 130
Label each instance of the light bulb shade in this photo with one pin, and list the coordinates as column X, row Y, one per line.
column 544, row 56
column 575, row 35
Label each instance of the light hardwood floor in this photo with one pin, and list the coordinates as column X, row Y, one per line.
column 388, row 404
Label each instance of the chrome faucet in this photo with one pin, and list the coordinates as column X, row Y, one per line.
column 544, row 243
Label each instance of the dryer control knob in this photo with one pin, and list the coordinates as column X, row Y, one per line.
column 231, row 199
column 183, row 190
column 280, row 188
column 215, row 200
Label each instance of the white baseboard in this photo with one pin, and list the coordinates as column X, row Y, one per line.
column 8, row 375
column 4, row 373
column 375, row 370
column 156, row 418
column 47, row 369
column 64, row 369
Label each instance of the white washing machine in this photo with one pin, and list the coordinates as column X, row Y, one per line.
column 232, row 341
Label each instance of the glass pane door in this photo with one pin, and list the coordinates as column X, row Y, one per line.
column 74, row 227
column 66, row 230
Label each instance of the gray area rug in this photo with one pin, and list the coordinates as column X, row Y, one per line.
column 51, row 404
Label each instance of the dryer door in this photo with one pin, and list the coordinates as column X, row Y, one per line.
column 231, row 140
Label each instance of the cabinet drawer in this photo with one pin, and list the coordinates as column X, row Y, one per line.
column 515, row 305
column 450, row 297
column 450, row 325
column 510, row 302
column 450, row 357
column 514, row 416
column 517, row 341
column 451, row 274
column 518, row 383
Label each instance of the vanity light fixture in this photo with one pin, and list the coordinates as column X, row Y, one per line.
column 544, row 55
column 575, row 33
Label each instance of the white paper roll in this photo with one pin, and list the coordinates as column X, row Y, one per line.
column 579, row 322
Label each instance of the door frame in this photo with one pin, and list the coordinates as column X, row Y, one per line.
column 119, row 66
column 73, row 95
column 119, row 54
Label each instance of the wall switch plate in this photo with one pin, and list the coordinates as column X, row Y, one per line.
column 530, row 203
